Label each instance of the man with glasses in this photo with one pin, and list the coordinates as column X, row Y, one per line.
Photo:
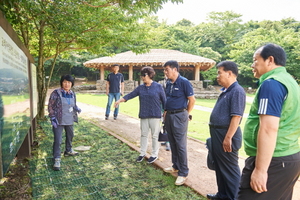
column 152, row 100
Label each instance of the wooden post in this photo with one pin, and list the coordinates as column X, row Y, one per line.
column 197, row 72
column 102, row 73
column 130, row 73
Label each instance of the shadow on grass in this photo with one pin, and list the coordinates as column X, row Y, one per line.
column 107, row 171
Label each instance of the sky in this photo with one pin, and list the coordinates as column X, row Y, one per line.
column 258, row 10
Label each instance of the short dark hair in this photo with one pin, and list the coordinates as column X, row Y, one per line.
column 274, row 50
column 229, row 66
column 148, row 71
column 115, row 65
column 172, row 64
column 67, row 77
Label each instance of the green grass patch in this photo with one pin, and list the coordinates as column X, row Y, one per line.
column 10, row 99
column 107, row 171
column 210, row 103
column 206, row 102
column 130, row 107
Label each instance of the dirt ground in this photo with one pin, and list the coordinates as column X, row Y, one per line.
column 16, row 183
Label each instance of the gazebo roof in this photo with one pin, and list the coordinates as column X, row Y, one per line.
column 156, row 57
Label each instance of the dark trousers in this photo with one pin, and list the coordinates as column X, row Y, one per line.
column 226, row 163
column 283, row 173
column 58, row 139
column 176, row 125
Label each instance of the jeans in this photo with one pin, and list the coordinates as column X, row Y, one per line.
column 112, row 96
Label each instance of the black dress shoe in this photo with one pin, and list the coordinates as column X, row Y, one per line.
column 213, row 196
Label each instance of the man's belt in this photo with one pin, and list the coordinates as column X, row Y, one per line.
column 218, row 127
column 175, row 111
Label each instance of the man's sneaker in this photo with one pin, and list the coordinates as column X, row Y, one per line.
column 152, row 159
column 115, row 118
column 170, row 170
column 106, row 117
column 180, row 180
column 56, row 166
column 71, row 153
column 140, row 158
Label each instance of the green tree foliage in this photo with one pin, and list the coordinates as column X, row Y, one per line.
column 56, row 31
column 158, row 34
column 52, row 28
column 224, row 37
column 268, row 32
column 176, row 37
column 222, row 29
column 210, row 74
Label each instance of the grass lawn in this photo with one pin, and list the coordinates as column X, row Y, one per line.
column 198, row 127
column 107, row 171
column 10, row 99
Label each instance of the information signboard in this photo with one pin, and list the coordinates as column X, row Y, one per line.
column 14, row 89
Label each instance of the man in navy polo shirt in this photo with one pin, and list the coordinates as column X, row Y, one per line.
column 180, row 102
column 114, row 89
column 226, row 135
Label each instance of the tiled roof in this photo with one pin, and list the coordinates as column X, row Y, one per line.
column 155, row 57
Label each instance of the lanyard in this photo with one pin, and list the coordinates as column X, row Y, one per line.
column 68, row 100
column 171, row 88
column 67, row 97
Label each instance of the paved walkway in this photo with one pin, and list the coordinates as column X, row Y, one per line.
column 126, row 128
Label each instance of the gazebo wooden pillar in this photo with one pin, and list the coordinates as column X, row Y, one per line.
column 102, row 72
column 130, row 73
column 197, row 72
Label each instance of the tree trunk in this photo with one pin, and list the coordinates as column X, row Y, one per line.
column 41, row 86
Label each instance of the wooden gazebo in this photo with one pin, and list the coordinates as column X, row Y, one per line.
column 155, row 58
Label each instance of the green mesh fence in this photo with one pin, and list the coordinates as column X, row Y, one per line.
column 107, row 171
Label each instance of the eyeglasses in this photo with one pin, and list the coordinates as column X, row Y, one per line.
column 144, row 74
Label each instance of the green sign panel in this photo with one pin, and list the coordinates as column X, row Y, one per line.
column 14, row 99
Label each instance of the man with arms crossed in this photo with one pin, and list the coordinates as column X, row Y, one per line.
column 272, row 130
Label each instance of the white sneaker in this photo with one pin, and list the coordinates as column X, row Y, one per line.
column 180, row 180
column 170, row 170
column 71, row 153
